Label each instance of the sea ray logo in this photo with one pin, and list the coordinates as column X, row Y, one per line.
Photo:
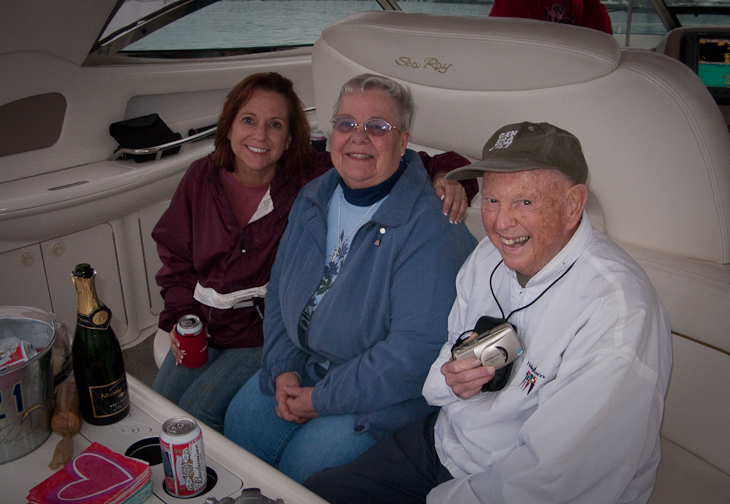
column 505, row 140
column 428, row 63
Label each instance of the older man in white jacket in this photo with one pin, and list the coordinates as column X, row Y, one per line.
column 578, row 419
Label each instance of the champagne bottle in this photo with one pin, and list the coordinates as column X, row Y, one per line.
column 97, row 356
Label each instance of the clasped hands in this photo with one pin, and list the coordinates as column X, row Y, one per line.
column 293, row 402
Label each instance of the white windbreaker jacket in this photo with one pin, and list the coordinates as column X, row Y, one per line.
column 579, row 420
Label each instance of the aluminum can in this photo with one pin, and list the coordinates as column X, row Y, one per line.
column 318, row 140
column 193, row 340
column 183, row 457
column 14, row 352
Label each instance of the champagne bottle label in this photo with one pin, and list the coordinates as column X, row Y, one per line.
column 97, row 319
column 110, row 399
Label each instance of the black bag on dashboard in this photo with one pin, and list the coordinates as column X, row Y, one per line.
column 143, row 132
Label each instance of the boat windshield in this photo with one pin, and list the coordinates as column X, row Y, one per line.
column 700, row 13
column 211, row 28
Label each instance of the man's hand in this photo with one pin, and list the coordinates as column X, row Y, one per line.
column 454, row 197
column 466, row 377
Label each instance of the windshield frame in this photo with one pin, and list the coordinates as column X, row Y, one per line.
column 123, row 37
column 115, row 44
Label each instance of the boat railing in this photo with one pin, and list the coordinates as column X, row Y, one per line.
column 158, row 150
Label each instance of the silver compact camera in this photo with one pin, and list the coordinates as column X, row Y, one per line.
column 496, row 347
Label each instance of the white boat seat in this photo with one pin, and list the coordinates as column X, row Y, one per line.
column 658, row 152
column 161, row 346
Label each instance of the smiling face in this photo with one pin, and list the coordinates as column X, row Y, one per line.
column 259, row 136
column 362, row 160
column 530, row 216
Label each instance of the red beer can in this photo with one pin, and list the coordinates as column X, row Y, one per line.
column 183, row 458
column 193, row 340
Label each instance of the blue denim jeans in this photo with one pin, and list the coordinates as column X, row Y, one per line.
column 297, row 450
column 205, row 392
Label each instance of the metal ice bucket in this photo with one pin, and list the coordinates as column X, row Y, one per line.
column 26, row 391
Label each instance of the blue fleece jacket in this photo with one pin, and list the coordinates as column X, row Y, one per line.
column 383, row 321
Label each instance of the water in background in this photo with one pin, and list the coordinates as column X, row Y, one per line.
column 231, row 24
column 240, row 24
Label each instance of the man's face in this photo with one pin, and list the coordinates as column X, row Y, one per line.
column 530, row 215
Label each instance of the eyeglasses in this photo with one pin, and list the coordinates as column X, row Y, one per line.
column 373, row 127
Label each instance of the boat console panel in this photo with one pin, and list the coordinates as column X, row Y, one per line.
column 707, row 52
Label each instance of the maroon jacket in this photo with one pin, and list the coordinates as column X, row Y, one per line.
column 200, row 242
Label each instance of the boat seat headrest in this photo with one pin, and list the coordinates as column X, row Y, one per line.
column 656, row 144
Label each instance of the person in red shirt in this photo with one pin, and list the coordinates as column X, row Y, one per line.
column 588, row 13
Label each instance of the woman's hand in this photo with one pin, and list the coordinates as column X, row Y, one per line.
column 287, row 397
column 300, row 402
column 175, row 347
column 454, row 197
column 466, row 377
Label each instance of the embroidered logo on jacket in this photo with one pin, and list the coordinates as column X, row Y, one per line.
column 529, row 381
column 530, row 378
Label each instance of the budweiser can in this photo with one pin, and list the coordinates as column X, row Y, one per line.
column 14, row 352
column 193, row 340
column 183, row 458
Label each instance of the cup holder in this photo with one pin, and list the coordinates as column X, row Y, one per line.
column 149, row 450
column 212, row 480
column 146, row 449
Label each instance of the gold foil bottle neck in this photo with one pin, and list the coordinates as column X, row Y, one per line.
column 86, row 292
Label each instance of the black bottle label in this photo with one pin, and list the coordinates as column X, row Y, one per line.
column 109, row 399
column 97, row 319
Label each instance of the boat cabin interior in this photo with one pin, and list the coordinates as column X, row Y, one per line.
column 650, row 109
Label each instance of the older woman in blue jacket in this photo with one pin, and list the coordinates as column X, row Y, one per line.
column 359, row 297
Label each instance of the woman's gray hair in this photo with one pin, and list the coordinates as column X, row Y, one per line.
column 400, row 95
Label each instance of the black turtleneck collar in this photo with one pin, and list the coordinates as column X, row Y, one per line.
column 369, row 195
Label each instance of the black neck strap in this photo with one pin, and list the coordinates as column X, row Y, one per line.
column 528, row 304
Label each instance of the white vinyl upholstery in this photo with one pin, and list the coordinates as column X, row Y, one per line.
column 658, row 152
column 161, row 346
